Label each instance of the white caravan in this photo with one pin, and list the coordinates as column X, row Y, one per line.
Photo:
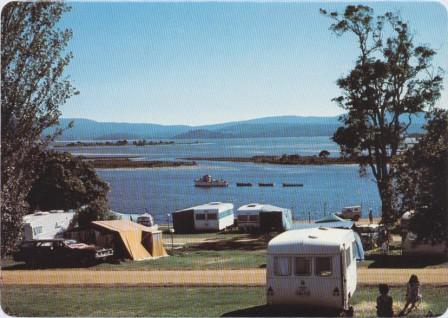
column 46, row 225
column 213, row 216
column 312, row 267
column 266, row 217
column 248, row 216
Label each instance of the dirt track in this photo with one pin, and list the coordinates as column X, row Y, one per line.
column 254, row 277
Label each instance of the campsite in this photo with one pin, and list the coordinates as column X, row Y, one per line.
column 224, row 159
column 202, row 274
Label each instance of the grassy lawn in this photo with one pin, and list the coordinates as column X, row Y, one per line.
column 187, row 302
column 185, row 260
column 195, row 260
column 218, row 251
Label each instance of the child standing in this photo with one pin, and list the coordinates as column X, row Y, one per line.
column 384, row 302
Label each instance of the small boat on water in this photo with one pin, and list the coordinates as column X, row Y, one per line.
column 293, row 184
column 266, row 184
column 207, row 181
column 243, row 184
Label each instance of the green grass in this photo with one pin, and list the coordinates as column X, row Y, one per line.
column 434, row 299
column 195, row 260
column 186, row 302
column 186, row 260
column 219, row 251
column 133, row 301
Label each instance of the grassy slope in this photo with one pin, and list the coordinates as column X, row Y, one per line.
column 214, row 251
column 140, row 301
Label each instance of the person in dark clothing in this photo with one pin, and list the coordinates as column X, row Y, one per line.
column 384, row 302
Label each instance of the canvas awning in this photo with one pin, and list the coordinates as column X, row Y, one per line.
column 330, row 218
column 132, row 235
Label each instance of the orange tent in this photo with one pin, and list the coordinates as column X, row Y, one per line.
column 141, row 242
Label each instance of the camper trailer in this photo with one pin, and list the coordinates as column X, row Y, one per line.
column 263, row 217
column 46, row 225
column 312, row 267
column 213, row 216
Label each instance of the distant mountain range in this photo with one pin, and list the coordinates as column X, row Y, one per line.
column 280, row 126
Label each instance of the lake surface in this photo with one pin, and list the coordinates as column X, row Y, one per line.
column 164, row 190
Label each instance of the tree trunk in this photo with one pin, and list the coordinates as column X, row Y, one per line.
column 385, row 190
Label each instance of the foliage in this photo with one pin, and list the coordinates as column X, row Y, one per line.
column 421, row 180
column 324, row 154
column 32, row 89
column 392, row 80
column 66, row 182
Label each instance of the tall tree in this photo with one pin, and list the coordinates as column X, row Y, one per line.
column 421, row 180
column 33, row 87
column 65, row 182
column 392, row 80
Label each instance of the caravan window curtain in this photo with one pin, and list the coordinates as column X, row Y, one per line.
column 212, row 216
column 323, row 266
column 200, row 216
column 282, row 266
column 253, row 218
column 303, row 266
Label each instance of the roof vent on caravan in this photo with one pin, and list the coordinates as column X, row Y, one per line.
column 41, row 213
column 215, row 203
column 323, row 228
column 312, row 237
column 56, row 211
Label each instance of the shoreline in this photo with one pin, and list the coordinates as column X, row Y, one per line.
column 125, row 162
column 121, row 143
column 282, row 160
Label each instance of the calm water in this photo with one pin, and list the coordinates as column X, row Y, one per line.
column 164, row 190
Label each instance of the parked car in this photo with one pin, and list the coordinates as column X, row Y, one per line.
column 351, row 212
column 60, row 251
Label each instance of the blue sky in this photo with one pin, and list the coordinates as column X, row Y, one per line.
column 201, row 63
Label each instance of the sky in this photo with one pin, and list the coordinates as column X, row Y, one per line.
column 203, row 63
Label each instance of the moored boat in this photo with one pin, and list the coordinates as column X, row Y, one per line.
column 207, row 181
column 266, row 184
column 293, row 184
column 243, row 184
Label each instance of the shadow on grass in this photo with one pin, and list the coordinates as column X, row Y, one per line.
column 282, row 311
column 47, row 265
column 400, row 261
column 251, row 243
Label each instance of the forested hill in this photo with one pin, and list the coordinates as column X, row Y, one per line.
column 281, row 126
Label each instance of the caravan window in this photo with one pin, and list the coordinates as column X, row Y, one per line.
column 212, row 216
column 253, row 218
column 37, row 230
column 355, row 250
column 223, row 214
column 303, row 266
column 323, row 266
column 348, row 257
column 282, row 266
column 200, row 216
column 242, row 218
